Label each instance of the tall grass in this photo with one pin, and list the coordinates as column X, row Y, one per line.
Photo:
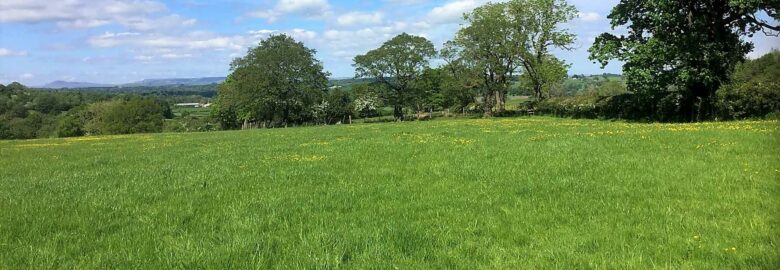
column 521, row 193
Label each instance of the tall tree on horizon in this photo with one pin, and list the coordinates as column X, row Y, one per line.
column 397, row 64
column 276, row 83
column 502, row 39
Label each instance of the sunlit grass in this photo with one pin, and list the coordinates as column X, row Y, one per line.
column 517, row 193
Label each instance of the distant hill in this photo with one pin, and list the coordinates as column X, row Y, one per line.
column 177, row 81
column 174, row 82
column 64, row 84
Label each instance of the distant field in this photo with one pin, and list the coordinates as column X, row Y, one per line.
column 197, row 112
column 520, row 193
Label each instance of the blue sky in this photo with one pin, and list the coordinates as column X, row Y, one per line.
column 116, row 41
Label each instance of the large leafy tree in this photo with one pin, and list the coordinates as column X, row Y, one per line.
column 397, row 64
column 538, row 25
column 490, row 47
column 276, row 83
column 690, row 46
column 501, row 39
column 461, row 79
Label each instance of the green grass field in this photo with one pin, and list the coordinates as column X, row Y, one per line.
column 513, row 193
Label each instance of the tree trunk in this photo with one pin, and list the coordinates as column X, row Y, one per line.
column 538, row 91
column 398, row 113
column 488, row 98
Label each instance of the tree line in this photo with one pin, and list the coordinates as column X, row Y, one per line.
column 683, row 61
column 677, row 56
column 26, row 113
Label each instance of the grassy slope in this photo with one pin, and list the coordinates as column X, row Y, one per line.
column 501, row 193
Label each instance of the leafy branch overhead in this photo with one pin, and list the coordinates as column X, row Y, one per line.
column 689, row 45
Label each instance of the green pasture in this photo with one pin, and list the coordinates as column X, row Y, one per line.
column 503, row 193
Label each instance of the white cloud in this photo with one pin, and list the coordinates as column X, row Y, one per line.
column 452, row 12
column 9, row 52
column 156, row 47
column 345, row 44
column 137, row 15
column 360, row 18
column 162, row 23
column 406, row 2
column 589, row 16
column 31, row 11
column 305, row 8
column 26, row 76
column 175, row 56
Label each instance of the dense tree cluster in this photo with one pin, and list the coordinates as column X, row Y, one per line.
column 27, row 113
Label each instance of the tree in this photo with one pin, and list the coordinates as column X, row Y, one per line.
column 276, row 83
column 691, row 46
column 135, row 115
column 396, row 64
column 428, row 90
column 69, row 125
column 462, row 80
column 366, row 99
column 754, row 90
column 504, row 38
column 544, row 76
column 488, row 47
column 339, row 106
column 537, row 23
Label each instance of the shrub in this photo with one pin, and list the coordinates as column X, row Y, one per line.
column 69, row 126
column 748, row 100
column 136, row 115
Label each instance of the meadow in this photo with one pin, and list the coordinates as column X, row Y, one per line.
column 502, row 193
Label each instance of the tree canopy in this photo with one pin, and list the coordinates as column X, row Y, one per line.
column 276, row 83
column 686, row 47
column 502, row 39
column 397, row 64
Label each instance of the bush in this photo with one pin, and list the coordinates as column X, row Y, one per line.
column 754, row 91
column 136, row 115
column 582, row 106
column 69, row 126
column 624, row 106
column 191, row 124
column 748, row 100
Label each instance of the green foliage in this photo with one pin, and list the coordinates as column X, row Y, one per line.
column 191, row 124
column 339, row 106
column 277, row 83
column 754, row 90
column 488, row 47
column 538, row 23
column 397, row 64
column 135, row 115
column 172, row 91
column 429, row 91
column 688, row 46
column 69, row 126
column 27, row 113
column 558, row 194
column 516, row 36
column 367, row 99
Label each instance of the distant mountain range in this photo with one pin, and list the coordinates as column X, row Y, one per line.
column 64, row 84
column 340, row 81
column 146, row 82
column 177, row 81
